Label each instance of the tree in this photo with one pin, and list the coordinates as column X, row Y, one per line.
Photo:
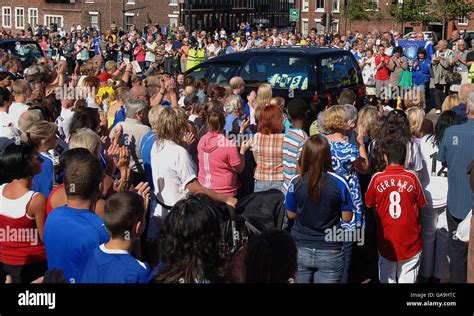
column 356, row 10
column 450, row 10
column 413, row 11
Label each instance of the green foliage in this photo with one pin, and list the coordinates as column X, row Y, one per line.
column 414, row 11
column 359, row 10
column 450, row 10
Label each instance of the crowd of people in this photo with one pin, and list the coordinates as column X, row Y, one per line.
column 119, row 174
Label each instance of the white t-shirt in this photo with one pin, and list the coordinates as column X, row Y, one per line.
column 64, row 122
column 5, row 119
column 16, row 110
column 172, row 169
column 414, row 160
column 150, row 56
column 434, row 175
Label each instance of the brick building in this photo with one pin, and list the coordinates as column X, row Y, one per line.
column 213, row 14
column 311, row 12
column 17, row 14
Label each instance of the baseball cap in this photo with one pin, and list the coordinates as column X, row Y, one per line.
column 104, row 76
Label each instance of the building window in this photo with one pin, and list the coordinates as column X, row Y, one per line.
column 374, row 5
column 173, row 3
column 7, row 17
column 33, row 17
column 130, row 1
column 19, row 18
column 94, row 20
column 319, row 26
column 54, row 19
column 174, row 20
column 305, row 5
column 335, row 6
column 463, row 20
column 129, row 20
column 335, row 25
column 304, row 26
column 319, row 5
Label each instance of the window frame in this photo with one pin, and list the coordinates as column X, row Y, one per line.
column 318, row 8
column 22, row 18
column 36, row 16
column 9, row 15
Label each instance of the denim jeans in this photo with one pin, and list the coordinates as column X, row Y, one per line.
column 267, row 185
column 319, row 266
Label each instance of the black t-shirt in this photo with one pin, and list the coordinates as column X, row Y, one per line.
column 111, row 52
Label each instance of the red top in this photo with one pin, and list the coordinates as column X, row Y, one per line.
column 20, row 242
column 140, row 57
column 382, row 73
column 396, row 194
column 49, row 208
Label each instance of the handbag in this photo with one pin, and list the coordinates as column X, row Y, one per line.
column 405, row 79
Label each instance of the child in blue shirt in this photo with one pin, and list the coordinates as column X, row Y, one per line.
column 111, row 262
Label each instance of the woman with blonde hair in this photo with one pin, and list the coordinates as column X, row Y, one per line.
column 279, row 101
column 415, row 119
column 348, row 161
column 450, row 102
column 415, row 98
column 173, row 169
column 42, row 134
column 263, row 98
column 368, row 120
column 264, row 94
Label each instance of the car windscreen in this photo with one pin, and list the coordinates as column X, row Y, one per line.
column 22, row 50
column 221, row 74
column 281, row 72
column 338, row 71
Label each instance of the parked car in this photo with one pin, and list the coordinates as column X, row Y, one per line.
column 27, row 50
column 468, row 36
column 428, row 36
column 294, row 72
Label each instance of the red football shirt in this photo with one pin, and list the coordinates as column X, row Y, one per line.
column 382, row 73
column 396, row 194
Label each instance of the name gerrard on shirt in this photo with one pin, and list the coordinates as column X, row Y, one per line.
column 402, row 186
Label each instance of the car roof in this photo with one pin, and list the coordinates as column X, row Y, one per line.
column 297, row 50
column 9, row 40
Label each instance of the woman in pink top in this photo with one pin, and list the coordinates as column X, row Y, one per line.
column 219, row 159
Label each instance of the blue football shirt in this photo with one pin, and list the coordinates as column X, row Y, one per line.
column 113, row 266
column 69, row 236
column 43, row 181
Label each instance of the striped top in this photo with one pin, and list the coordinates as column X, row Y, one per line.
column 268, row 155
column 293, row 143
